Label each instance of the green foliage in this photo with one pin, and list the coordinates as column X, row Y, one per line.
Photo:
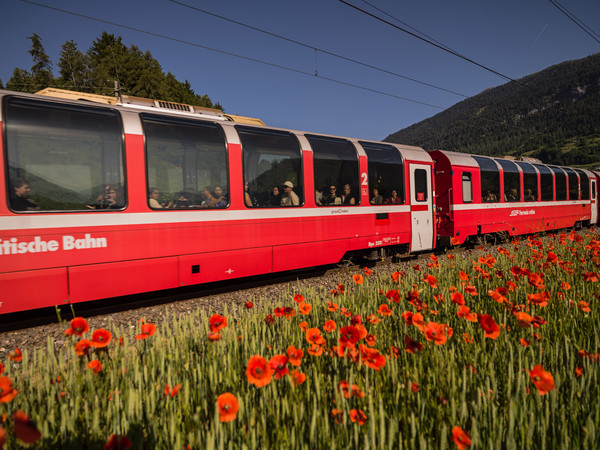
column 561, row 106
column 107, row 61
column 478, row 383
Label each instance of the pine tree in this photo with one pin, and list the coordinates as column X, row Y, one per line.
column 73, row 68
column 41, row 70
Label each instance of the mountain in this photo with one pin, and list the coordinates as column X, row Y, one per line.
column 555, row 118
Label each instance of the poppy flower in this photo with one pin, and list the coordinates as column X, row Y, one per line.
column 543, row 380
column 463, row 276
column 298, row 298
column 289, row 312
column 148, row 329
column 95, row 366
column 461, row 438
column 297, row 377
column 7, row 393
column 407, row 316
column 333, row 307
column 412, row 346
column 172, row 392
column 1, row 368
column 101, row 338
column 358, row 278
column 418, row 321
column 278, row 364
column 78, row 326
column 83, row 347
column 565, row 286
column 415, row 387
column 370, row 340
column 249, row 305
column 458, row 298
column 436, row 332
column 524, row 342
column 349, row 336
column 393, row 295
column 431, row 280
column 368, row 271
column 258, row 371
column 497, row 296
column 471, row 290
column 358, row 415
column 315, row 350
column 305, row 308
column 217, row 322
column 24, row 428
column 371, row 357
column 279, row 311
column 16, row 355
column 578, row 371
column 2, row 437
column 269, row 319
column 329, row 326
column 489, row 326
column 212, row 336
column 313, row 336
column 116, row 442
column 540, row 299
column 384, row 310
column 465, row 313
column 396, row 276
column 584, row 306
column 454, row 241
column 228, row 406
column 467, row 338
column 294, row 355
column 337, row 415
column 523, row 319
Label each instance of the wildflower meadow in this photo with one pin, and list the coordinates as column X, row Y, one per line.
column 489, row 348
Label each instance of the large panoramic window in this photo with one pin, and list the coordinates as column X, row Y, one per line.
column 546, row 183
column 530, row 182
column 512, row 181
column 560, row 180
column 490, row 179
column 63, row 157
column 386, row 173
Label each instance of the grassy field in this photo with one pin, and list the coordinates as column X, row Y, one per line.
column 493, row 349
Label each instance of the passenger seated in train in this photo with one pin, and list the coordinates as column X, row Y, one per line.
column 376, row 199
column 110, row 199
column 394, row 199
column 348, row 197
column 221, row 197
column 275, row 199
column 289, row 197
column 332, row 198
column 209, row 201
column 490, row 197
column 529, row 196
column 153, row 200
column 247, row 198
column 319, row 197
column 511, row 196
column 19, row 194
column 185, row 199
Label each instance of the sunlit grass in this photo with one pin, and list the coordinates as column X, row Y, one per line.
column 159, row 388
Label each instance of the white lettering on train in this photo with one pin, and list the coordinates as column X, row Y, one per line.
column 13, row 246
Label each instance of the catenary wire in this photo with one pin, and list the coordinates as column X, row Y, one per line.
column 576, row 20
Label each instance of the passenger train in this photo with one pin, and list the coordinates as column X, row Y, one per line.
column 106, row 198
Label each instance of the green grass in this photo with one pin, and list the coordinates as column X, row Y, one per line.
column 483, row 386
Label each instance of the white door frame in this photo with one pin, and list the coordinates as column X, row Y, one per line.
column 421, row 209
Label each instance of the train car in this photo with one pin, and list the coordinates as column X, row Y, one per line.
column 101, row 200
column 479, row 198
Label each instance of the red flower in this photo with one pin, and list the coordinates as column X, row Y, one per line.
column 540, row 299
column 258, row 371
column 101, row 338
column 116, row 442
column 172, row 392
column 358, row 415
column 298, row 298
column 372, row 318
column 489, row 325
column 431, row 280
column 78, row 326
column 304, row 308
column 294, row 355
column 543, row 380
column 228, row 406
column 278, row 364
column 212, row 336
column 297, row 377
column 458, row 298
column 83, row 347
column 7, row 393
column 371, row 357
column 95, row 366
column 1, row 368
column 332, row 306
column 471, row 290
column 148, row 329
column 465, row 313
column 24, row 428
column 217, row 322
column 329, row 326
column 393, row 295
column 16, row 355
column 368, row 271
column 461, row 438
column 412, row 346
column 436, row 332
column 249, row 305
column 349, row 336
column 384, row 310
column 313, row 336
column 337, row 415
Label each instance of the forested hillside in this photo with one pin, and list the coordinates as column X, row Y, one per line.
column 556, row 118
column 95, row 71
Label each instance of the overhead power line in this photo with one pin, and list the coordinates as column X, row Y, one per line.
column 435, row 44
column 316, row 49
column 576, row 20
column 246, row 58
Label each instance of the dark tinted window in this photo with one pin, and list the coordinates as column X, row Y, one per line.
column 271, row 159
column 530, row 182
column 560, row 180
column 512, row 181
column 490, row 179
column 584, row 184
column 336, row 171
column 186, row 163
column 386, row 173
column 63, row 157
column 546, row 183
column 421, row 189
column 573, row 184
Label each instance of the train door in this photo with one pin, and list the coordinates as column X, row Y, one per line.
column 594, row 212
column 421, row 207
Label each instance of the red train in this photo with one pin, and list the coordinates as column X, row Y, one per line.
column 109, row 199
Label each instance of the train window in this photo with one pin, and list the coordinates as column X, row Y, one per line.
column 336, row 171
column 63, row 157
column 560, row 181
column 512, row 181
column 530, row 182
column 421, row 188
column 546, row 183
column 272, row 159
column 490, row 179
column 467, row 187
column 584, row 184
column 186, row 163
column 386, row 173
column 573, row 184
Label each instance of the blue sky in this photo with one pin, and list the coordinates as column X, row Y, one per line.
column 513, row 37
